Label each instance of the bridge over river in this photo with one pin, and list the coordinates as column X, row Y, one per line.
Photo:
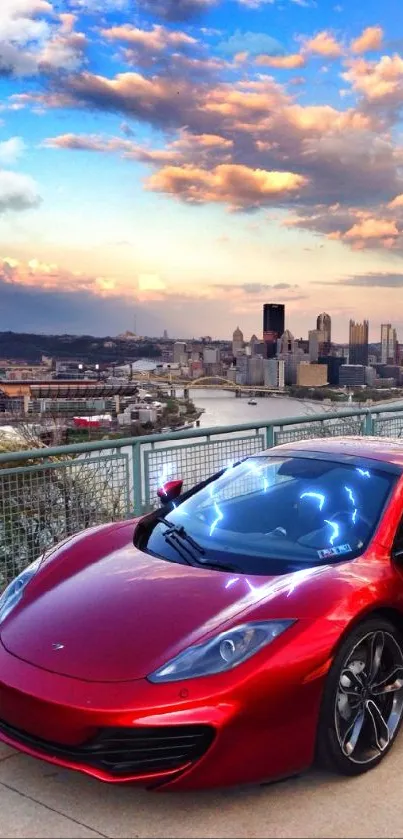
column 204, row 383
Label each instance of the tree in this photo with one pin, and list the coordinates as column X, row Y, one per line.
column 45, row 500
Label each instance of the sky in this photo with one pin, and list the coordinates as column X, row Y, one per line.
column 175, row 164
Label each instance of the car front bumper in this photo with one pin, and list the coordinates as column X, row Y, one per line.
column 159, row 736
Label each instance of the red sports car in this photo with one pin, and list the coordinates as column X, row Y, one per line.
column 238, row 633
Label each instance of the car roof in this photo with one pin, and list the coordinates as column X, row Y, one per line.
column 384, row 449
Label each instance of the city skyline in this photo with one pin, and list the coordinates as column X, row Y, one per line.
column 178, row 164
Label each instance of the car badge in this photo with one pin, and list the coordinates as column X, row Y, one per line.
column 57, row 646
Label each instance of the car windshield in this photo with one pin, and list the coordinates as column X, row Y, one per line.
column 277, row 514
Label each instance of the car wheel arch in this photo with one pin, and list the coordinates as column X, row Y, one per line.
column 389, row 613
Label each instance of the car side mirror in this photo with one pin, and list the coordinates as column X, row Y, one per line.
column 170, row 491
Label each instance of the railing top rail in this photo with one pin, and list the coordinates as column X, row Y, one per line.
column 104, row 445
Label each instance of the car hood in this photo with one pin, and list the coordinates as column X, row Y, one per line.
column 117, row 618
column 101, row 610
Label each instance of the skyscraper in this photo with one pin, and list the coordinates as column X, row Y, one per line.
column 237, row 341
column 358, row 342
column 388, row 344
column 324, row 325
column 316, row 343
column 273, row 326
column 324, row 330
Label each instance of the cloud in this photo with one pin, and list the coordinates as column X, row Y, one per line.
column 243, row 140
column 397, row 202
column 163, row 101
column 13, row 9
column 156, row 39
column 23, row 31
column 160, row 100
column 34, row 38
column 37, row 295
column 378, row 82
column 191, row 146
column 50, row 276
column 255, row 288
column 95, row 142
column 345, row 155
column 92, row 6
column 17, row 192
column 65, row 49
column 171, row 53
column 281, row 62
column 372, row 228
column 370, row 40
column 150, row 282
column 176, row 10
column 373, row 279
column 11, row 150
column 237, row 186
column 323, row 44
column 29, row 308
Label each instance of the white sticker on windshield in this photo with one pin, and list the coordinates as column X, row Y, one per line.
column 340, row 549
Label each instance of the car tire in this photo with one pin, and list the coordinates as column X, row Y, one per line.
column 362, row 704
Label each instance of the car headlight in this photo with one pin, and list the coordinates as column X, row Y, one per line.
column 224, row 652
column 14, row 592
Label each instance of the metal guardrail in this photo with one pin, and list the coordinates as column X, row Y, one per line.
column 47, row 494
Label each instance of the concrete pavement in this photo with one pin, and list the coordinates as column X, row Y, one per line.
column 38, row 800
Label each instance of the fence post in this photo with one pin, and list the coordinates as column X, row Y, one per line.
column 137, row 482
column 368, row 425
column 269, row 436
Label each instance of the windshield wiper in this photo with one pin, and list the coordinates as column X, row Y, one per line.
column 177, row 537
column 220, row 566
column 190, row 550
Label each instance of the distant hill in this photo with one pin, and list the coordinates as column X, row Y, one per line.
column 27, row 347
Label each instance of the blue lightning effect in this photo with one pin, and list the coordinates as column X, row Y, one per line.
column 217, row 520
column 219, row 515
column 231, row 582
column 317, row 495
column 251, row 586
column 245, row 580
column 364, row 472
column 350, row 494
column 165, row 474
column 336, row 530
column 254, row 470
column 299, row 577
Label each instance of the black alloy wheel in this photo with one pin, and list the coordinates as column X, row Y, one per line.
column 362, row 706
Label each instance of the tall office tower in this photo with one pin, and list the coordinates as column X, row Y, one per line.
column 315, row 344
column 358, row 343
column 237, row 341
column 388, row 344
column 324, row 325
column 273, row 326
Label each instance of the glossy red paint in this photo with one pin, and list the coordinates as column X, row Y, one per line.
column 119, row 614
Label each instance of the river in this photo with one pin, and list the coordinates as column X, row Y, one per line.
column 224, row 408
